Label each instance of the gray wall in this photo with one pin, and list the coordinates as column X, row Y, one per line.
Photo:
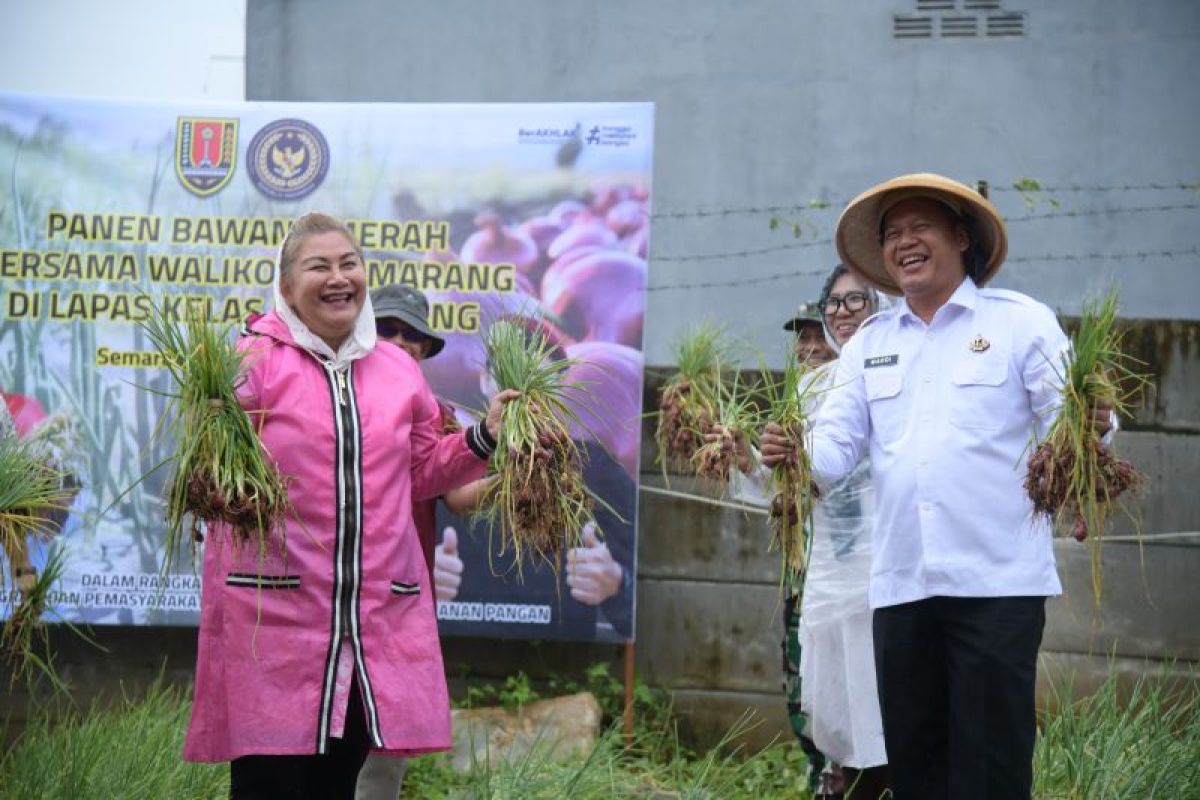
column 778, row 102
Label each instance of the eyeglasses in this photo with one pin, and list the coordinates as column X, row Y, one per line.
column 390, row 329
column 852, row 301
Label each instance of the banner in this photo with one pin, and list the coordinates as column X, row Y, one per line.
column 539, row 211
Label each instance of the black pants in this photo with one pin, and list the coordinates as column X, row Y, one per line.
column 956, row 688
column 331, row 776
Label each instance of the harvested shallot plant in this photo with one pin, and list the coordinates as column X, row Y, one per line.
column 536, row 495
column 220, row 472
column 688, row 401
column 736, row 412
column 790, row 513
column 31, row 492
column 1072, row 477
column 24, row 639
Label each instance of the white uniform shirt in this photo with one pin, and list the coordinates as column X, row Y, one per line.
column 948, row 410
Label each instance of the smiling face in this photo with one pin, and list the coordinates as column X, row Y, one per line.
column 843, row 322
column 811, row 348
column 924, row 245
column 326, row 286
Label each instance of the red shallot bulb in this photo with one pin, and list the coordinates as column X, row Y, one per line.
column 494, row 243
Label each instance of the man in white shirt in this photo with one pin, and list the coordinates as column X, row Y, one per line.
column 946, row 390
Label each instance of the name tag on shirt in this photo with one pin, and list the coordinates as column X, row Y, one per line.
column 882, row 361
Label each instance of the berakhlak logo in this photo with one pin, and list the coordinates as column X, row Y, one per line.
column 205, row 153
column 594, row 135
column 610, row 136
column 288, row 159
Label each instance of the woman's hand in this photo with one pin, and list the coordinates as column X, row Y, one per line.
column 495, row 406
column 733, row 441
column 776, row 446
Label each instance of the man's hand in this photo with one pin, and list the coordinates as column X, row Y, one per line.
column 733, row 441
column 593, row 575
column 447, row 566
column 1102, row 415
column 495, row 406
column 776, row 446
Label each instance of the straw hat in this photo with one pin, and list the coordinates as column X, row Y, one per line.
column 858, row 228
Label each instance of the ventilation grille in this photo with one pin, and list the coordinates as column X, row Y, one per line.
column 912, row 27
column 1008, row 24
column 959, row 19
column 958, row 27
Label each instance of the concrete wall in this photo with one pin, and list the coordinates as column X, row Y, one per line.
column 775, row 103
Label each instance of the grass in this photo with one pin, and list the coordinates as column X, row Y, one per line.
column 1112, row 745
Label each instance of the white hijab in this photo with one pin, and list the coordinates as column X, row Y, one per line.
column 360, row 341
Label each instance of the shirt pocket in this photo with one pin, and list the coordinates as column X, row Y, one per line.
column 883, row 396
column 979, row 398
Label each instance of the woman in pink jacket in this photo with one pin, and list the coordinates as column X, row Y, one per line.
column 321, row 649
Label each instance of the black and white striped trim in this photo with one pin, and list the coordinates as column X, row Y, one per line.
column 263, row 581
column 347, row 572
column 480, row 440
column 399, row 587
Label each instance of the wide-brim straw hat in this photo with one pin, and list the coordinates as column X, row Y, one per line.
column 858, row 228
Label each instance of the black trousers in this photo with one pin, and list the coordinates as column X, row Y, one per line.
column 331, row 776
column 956, row 682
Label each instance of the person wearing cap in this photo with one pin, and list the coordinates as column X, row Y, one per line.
column 812, row 349
column 944, row 391
column 402, row 319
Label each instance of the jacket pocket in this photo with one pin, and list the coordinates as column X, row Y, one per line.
column 262, row 581
column 403, row 588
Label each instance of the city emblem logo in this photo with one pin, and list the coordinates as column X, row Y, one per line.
column 288, row 159
column 979, row 344
column 205, row 153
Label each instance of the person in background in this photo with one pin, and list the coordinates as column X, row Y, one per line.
column 325, row 645
column 402, row 319
column 837, row 667
column 945, row 390
column 812, row 352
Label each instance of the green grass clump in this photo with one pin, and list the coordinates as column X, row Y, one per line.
column 1071, row 477
column 220, row 472
column 130, row 750
column 1115, row 745
column 536, row 498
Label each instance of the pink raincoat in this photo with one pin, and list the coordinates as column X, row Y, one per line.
column 281, row 635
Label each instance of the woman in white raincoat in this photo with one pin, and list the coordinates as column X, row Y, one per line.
column 837, row 662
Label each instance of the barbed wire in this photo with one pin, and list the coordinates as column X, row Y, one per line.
column 838, row 205
column 1186, row 186
column 1091, row 212
column 1139, row 255
column 745, row 253
column 801, row 245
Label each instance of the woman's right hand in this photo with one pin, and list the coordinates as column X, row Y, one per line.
column 733, row 441
column 777, row 448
